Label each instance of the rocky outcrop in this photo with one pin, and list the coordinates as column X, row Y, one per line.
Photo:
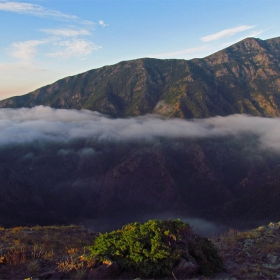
column 185, row 269
column 105, row 271
column 251, row 254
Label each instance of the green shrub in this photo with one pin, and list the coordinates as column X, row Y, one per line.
column 202, row 249
column 154, row 248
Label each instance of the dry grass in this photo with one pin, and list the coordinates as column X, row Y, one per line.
column 15, row 256
column 29, row 251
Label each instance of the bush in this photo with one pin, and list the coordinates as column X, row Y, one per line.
column 202, row 249
column 154, row 248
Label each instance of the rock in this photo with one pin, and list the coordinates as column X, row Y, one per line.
column 46, row 275
column 223, row 276
column 248, row 242
column 261, row 228
column 261, row 256
column 274, row 226
column 57, row 276
column 248, row 254
column 105, row 271
column 93, row 263
column 272, row 258
column 185, row 268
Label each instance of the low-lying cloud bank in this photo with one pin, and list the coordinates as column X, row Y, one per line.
column 44, row 123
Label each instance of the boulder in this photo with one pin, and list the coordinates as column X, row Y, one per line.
column 57, row 275
column 46, row 275
column 105, row 271
column 272, row 258
column 185, row 269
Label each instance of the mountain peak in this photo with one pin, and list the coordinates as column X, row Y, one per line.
column 243, row 78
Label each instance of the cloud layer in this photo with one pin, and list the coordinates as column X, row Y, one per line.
column 76, row 47
column 66, row 32
column 226, row 33
column 25, row 50
column 43, row 123
column 178, row 53
column 39, row 11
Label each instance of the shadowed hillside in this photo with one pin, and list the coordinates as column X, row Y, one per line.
column 105, row 184
column 68, row 166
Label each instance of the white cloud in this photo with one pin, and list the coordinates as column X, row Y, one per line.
column 256, row 33
column 39, row 11
column 251, row 34
column 74, row 47
column 25, row 50
column 226, row 33
column 43, row 123
column 102, row 23
column 177, row 53
column 66, row 32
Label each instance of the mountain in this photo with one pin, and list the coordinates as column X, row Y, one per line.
column 243, row 78
column 19, row 200
column 106, row 182
column 120, row 182
column 262, row 202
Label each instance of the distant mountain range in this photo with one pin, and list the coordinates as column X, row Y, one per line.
column 243, row 78
column 223, row 179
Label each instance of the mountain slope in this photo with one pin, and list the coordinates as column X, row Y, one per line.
column 19, row 201
column 122, row 182
column 244, row 78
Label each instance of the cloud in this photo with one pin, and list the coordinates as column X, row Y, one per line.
column 66, row 32
column 76, row 47
column 256, row 33
column 46, row 124
column 25, row 50
column 174, row 54
column 39, row 11
column 16, row 69
column 85, row 152
column 251, row 34
column 226, row 33
column 102, row 23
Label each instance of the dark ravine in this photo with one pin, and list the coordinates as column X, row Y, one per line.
column 243, row 78
column 219, row 179
column 20, row 201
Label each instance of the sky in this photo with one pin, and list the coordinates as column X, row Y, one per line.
column 42, row 41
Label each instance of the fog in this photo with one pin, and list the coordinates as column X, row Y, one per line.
column 200, row 226
column 70, row 172
column 47, row 124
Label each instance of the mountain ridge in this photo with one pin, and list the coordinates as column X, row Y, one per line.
column 243, row 78
column 91, row 179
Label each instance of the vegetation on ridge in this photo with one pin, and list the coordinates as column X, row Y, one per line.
column 243, row 78
column 58, row 252
column 155, row 247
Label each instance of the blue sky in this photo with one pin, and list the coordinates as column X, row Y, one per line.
column 42, row 41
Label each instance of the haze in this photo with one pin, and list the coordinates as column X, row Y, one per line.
column 47, row 124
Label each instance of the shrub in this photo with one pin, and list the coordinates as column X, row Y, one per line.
column 202, row 249
column 154, row 248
